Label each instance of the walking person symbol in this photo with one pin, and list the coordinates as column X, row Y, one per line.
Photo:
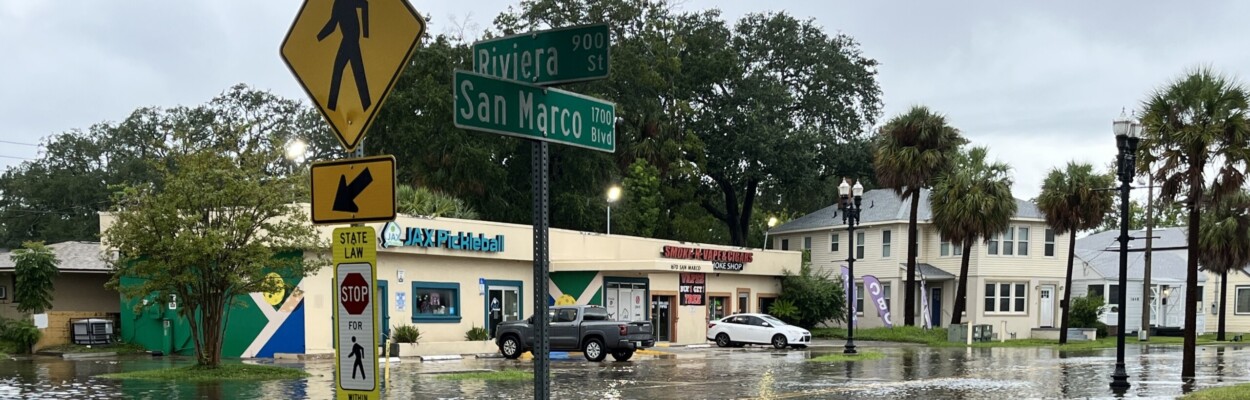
column 343, row 16
column 359, row 353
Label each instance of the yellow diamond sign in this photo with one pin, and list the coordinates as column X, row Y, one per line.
column 347, row 54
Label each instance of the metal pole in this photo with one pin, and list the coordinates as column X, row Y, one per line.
column 850, row 216
column 609, row 218
column 1119, row 378
column 765, row 247
column 542, row 362
column 1144, row 335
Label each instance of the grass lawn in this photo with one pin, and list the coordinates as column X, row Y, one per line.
column 120, row 349
column 505, row 375
column 838, row 357
column 226, row 372
column 1241, row 391
column 937, row 338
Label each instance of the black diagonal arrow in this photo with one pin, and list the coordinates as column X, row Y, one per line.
column 345, row 198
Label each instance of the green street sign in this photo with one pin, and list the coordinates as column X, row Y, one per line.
column 563, row 55
column 489, row 104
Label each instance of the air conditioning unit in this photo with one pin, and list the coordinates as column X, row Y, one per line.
column 92, row 331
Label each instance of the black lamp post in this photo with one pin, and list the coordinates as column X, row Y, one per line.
column 1127, row 133
column 850, row 217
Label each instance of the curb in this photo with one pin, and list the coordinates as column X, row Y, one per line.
column 80, row 356
column 449, row 357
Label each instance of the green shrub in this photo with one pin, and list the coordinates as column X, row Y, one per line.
column 1085, row 311
column 784, row 310
column 406, row 334
column 477, row 334
column 21, row 334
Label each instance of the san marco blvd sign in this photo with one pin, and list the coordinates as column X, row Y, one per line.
column 485, row 103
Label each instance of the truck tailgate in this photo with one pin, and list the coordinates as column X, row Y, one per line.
column 640, row 331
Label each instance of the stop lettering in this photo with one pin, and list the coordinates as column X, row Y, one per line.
column 354, row 293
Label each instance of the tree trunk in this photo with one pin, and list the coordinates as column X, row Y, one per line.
column 1223, row 296
column 1191, row 275
column 961, row 293
column 1066, row 304
column 909, row 301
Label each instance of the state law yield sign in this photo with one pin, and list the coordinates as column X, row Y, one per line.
column 347, row 55
column 353, row 190
column 355, row 313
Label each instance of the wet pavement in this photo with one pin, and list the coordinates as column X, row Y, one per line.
column 703, row 373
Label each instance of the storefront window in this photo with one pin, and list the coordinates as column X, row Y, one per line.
column 436, row 302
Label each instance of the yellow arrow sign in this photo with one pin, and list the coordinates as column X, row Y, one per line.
column 347, row 54
column 353, row 190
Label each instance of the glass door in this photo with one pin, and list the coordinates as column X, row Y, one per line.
column 502, row 304
column 661, row 318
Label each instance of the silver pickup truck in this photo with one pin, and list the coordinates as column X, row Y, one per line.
column 578, row 328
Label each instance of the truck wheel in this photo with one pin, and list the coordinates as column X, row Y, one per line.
column 622, row 355
column 722, row 340
column 779, row 341
column 593, row 350
column 511, row 348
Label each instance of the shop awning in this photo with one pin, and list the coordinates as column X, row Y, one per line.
column 929, row 272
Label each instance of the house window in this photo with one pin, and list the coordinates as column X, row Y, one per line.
column 1005, row 297
column 859, row 245
column 807, row 243
column 1096, row 291
column 949, row 248
column 1050, row 243
column 1114, row 297
column 436, row 302
column 785, row 244
column 1007, row 240
column 885, row 292
column 833, row 243
column 1243, row 300
column 1022, row 242
column 859, row 297
column 993, row 246
column 885, row 243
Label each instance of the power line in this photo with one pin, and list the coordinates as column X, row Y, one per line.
column 16, row 158
column 19, row 143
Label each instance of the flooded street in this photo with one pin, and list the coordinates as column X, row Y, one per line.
column 709, row 373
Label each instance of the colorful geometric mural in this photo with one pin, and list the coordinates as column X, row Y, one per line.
column 260, row 324
column 575, row 287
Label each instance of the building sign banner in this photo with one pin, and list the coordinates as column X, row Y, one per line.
column 849, row 287
column 693, row 289
column 689, row 253
column 874, row 289
column 395, row 236
column 727, row 266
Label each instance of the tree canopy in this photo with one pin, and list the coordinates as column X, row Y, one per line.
column 35, row 267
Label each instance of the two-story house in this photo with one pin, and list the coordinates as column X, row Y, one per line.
column 1015, row 277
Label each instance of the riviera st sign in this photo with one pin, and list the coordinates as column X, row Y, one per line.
column 489, row 104
column 548, row 57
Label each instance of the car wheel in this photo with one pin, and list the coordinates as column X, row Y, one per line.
column 779, row 341
column 511, row 348
column 622, row 355
column 722, row 340
column 593, row 350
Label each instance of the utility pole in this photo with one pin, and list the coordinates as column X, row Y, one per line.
column 1147, row 299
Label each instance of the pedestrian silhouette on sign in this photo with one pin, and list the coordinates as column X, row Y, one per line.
column 359, row 353
column 343, row 16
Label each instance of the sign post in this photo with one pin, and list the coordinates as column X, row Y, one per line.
column 501, row 97
column 355, row 313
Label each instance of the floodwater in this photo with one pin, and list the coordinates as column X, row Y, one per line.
column 912, row 372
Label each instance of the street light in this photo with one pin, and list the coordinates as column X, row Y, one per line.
column 1127, row 133
column 296, row 149
column 850, row 217
column 772, row 221
column 614, row 194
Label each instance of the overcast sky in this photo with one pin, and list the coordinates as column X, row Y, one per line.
column 1036, row 82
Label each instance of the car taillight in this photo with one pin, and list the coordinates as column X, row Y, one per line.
column 710, row 325
column 624, row 330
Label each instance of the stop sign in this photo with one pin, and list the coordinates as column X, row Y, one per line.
column 354, row 293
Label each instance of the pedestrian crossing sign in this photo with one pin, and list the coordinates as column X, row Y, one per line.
column 348, row 54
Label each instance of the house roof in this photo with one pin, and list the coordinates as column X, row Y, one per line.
column 882, row 205
column 73, row 257
column 1100, row 251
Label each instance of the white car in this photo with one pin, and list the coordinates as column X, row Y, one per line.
column 740, row 329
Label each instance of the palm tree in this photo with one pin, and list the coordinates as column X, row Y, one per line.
column 1071, row 201
column 432, row 203
column 912, row 150
column 971, row 201
column 1197, row 122
column 1224, row 243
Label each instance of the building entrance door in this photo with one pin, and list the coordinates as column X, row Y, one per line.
column 502, row 304
column 662, row 317
column 935, row 306
column 1047, row 313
